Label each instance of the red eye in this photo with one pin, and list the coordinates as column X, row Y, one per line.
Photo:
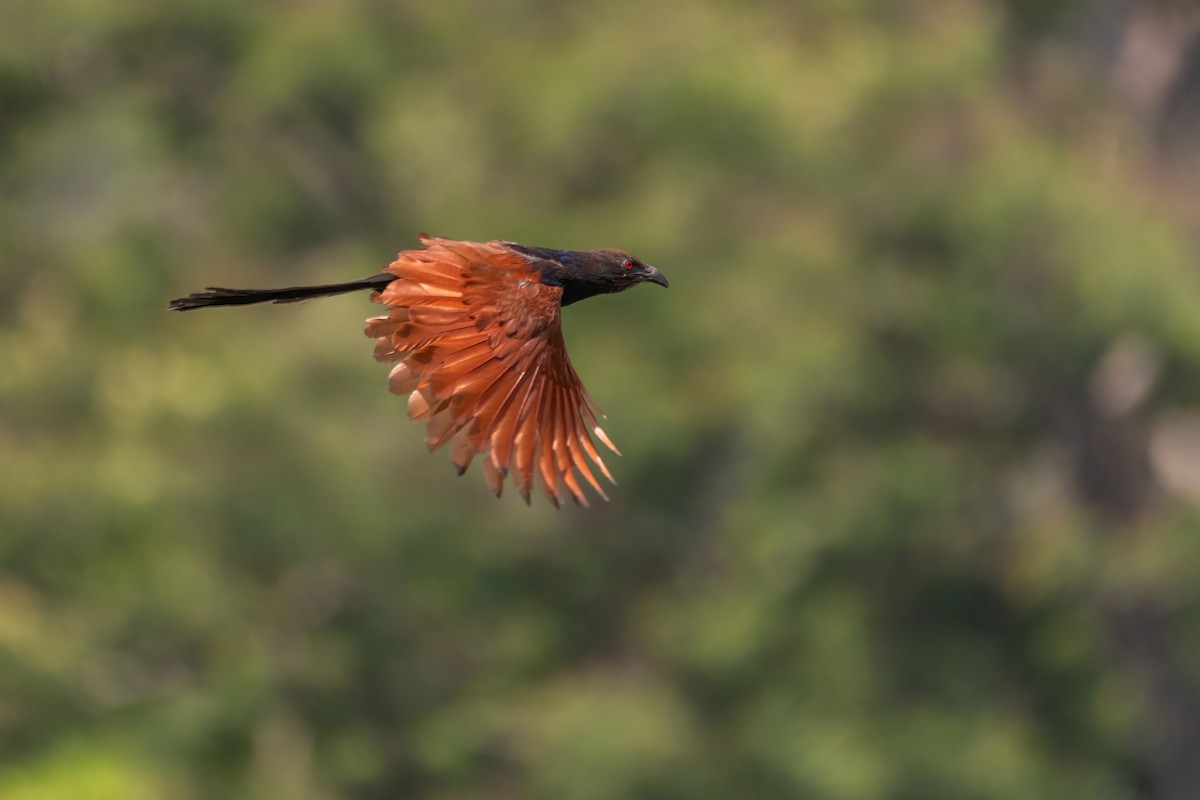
column 628, row 263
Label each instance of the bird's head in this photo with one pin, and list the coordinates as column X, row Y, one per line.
column 593, row 272
column 621, row 270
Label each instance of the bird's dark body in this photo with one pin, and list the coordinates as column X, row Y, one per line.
column 580, row 273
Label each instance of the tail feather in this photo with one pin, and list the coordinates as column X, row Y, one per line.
column 216, row 296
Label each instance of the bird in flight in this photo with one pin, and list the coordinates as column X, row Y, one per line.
column 474, row 330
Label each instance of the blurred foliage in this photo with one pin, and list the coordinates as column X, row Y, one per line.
column 875, row 534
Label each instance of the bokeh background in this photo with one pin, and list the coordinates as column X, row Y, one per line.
column 908, row 506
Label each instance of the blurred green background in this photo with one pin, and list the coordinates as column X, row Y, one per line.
column 908, row 507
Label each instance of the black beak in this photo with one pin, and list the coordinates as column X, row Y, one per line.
column 654, row 276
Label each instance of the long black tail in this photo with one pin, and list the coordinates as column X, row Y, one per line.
column 241, row 297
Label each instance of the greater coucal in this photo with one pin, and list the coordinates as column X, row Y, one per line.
column 476, row 330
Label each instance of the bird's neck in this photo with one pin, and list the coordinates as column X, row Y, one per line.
column 573, row 270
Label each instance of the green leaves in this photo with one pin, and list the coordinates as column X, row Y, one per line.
column 873, row 518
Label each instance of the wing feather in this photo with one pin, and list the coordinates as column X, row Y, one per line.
column 440, row 429
column 503, row 440
column 548, row 436
column 577, row 457
column 562, row 450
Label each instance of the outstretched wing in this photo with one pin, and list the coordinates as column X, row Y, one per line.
column 482, row 360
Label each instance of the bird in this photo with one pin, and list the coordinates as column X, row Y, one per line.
column 474, row 332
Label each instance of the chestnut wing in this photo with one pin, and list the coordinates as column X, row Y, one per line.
column 482, row 359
